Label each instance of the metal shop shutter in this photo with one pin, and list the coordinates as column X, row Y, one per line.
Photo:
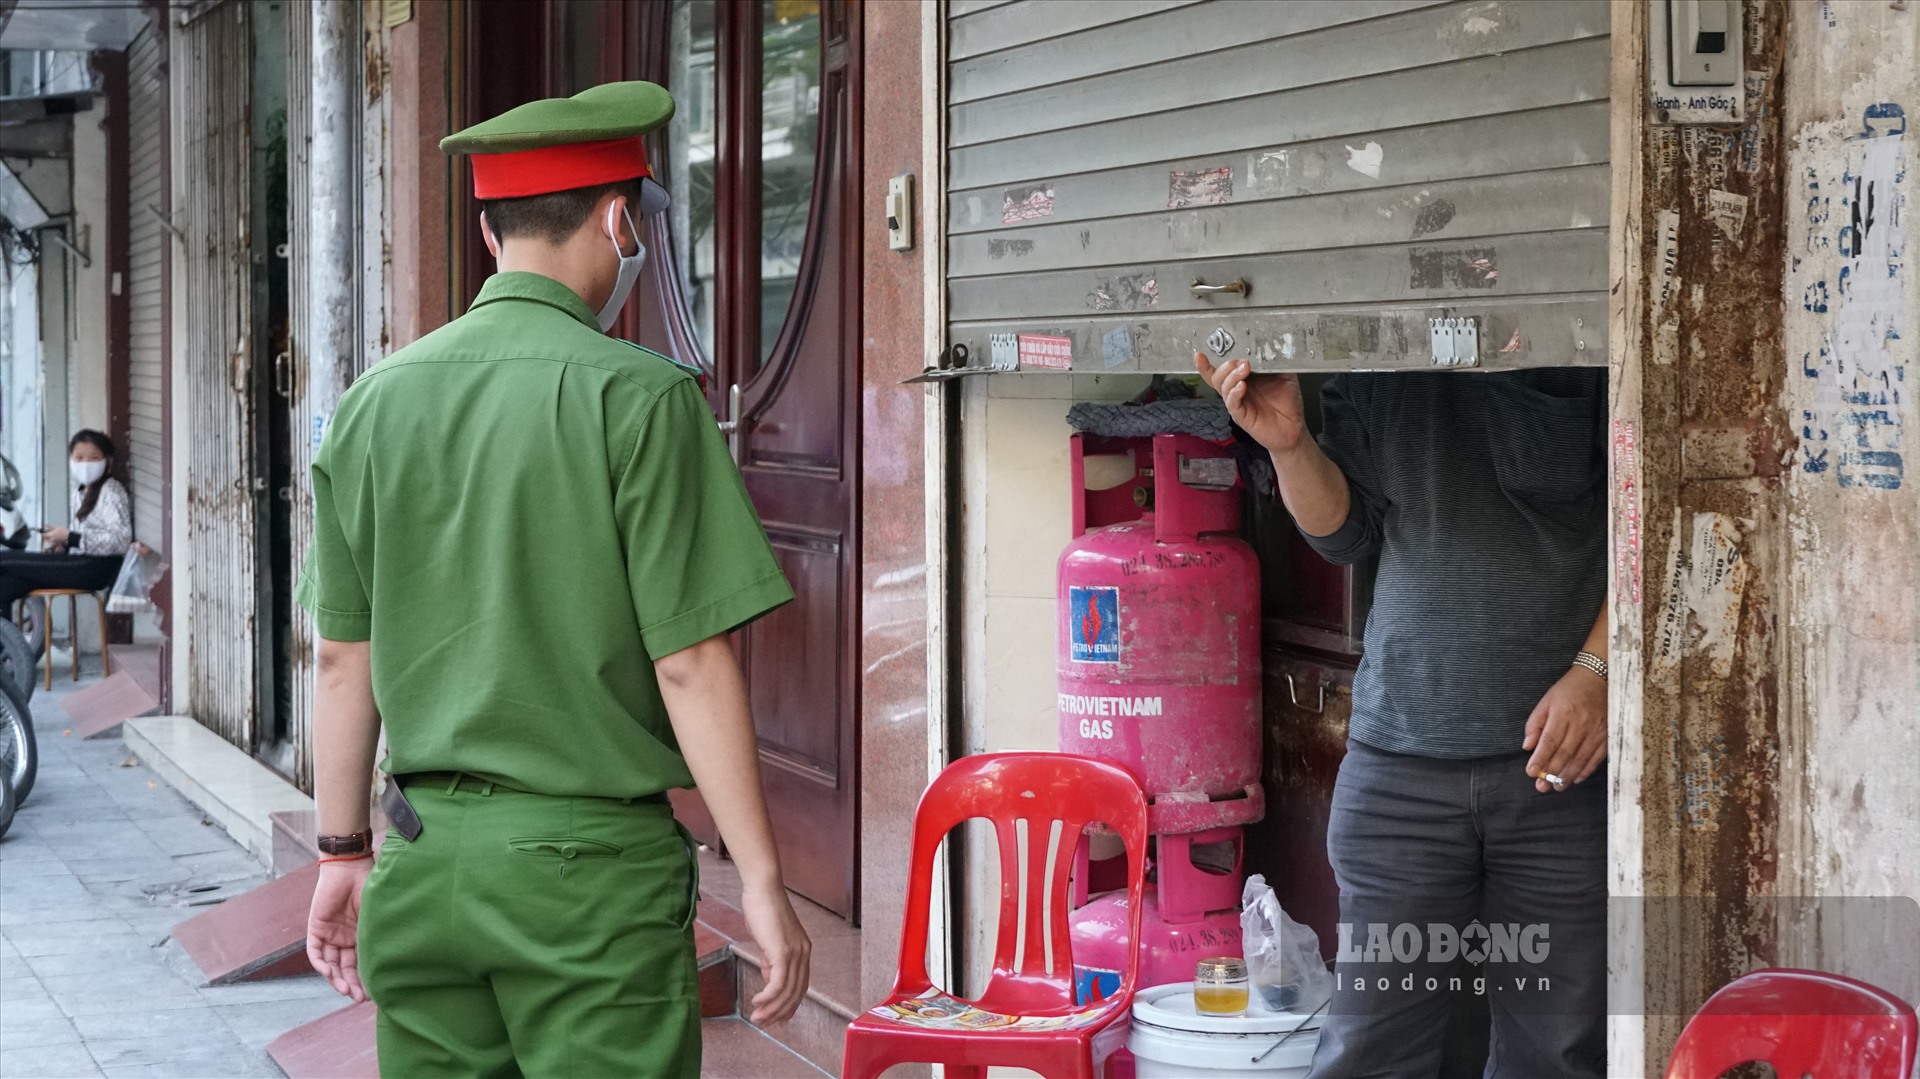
column 1357, row 167
column 213, row 69
column 147, row 255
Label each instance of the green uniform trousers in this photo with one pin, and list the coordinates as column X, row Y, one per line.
column 523, row 934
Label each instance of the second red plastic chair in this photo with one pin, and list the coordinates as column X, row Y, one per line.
column 1802, row 1022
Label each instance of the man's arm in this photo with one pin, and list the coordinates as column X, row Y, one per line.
column 1272, row 410
column 706, row 699
column 1313, row 487
column 346, row 730
column 1568, row 729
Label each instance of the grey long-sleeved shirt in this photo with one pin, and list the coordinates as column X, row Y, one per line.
column 1485, row 495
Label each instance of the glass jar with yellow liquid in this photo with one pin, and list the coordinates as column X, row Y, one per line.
column 1220, row 987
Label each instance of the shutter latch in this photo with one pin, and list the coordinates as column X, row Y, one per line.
column 1456, row 341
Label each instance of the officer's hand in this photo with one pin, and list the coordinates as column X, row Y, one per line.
column 1268, row 407
column 1568, row 731
column 333, row 923
column 786, row 955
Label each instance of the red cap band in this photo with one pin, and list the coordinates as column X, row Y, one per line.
column 558, row 168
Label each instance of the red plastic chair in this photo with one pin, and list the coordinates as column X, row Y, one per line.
column 1802, row 1022
column 1039, row 804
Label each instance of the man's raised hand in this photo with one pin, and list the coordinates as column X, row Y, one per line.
column 1268, row 407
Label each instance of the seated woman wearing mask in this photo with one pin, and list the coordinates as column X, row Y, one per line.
column 87, row 555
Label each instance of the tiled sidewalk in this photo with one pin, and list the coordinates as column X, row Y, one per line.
column 103, row 859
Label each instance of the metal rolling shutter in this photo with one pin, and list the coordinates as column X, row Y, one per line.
column 1363, row 166
column 147, row 297
column 212, row 62
column 300, row 647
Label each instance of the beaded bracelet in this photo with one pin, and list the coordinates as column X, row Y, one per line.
column 1593, row 663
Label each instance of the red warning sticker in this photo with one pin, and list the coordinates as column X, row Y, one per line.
column 1040, row 350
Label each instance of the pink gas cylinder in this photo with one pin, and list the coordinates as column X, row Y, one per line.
column 1196, row 873
column 1159, row 644
column 1168, row 950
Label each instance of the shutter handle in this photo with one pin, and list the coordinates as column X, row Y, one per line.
column 1237, row 286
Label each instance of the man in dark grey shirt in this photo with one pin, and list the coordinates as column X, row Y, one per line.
column 1469, row 844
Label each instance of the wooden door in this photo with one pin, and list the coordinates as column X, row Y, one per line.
column 797, row 435
column 753, row 274
column 760, row 275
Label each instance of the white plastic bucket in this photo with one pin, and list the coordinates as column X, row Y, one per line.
column 1169, row 1040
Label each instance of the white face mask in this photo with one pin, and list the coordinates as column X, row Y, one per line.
column 629, row 271
column 86, row 473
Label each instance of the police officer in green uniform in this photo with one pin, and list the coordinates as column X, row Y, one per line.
column 530, row 545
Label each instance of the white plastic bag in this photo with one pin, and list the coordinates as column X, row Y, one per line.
column 1284, row 967
column 133, row 591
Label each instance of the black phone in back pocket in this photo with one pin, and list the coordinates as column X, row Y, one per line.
column 399, row 811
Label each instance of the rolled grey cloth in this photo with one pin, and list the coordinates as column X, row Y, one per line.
column 1202, row 417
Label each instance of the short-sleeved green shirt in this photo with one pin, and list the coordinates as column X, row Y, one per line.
column 521, row 514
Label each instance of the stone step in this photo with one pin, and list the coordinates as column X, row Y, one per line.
column 735, row 1049
column 719, row 972
column 817, row 1032
column 238, row 792
column 296, row 837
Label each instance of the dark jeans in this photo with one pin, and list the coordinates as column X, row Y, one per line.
column 23, row 571
column 1425, row 848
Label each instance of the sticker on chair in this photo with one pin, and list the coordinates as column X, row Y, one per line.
column 938, row 1010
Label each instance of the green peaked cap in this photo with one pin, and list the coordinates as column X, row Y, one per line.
column 613, row 110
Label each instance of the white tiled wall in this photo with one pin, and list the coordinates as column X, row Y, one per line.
column 1018, row 519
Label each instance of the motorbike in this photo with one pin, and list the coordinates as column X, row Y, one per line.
column 17, row 660
column 16, row 534
column 14, row 531
column 19, row 755
column 19, row 752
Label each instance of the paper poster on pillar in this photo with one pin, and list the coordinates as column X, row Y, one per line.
column 1852, row 334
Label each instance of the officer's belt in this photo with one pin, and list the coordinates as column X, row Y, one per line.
column 464, row 781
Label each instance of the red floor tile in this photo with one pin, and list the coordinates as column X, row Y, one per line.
column 731, row 1049
column 338, row 1045
column 105, row 705
column 341, row 1046
column 253, row 935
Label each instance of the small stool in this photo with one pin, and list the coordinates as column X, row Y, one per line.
column 73, row 627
